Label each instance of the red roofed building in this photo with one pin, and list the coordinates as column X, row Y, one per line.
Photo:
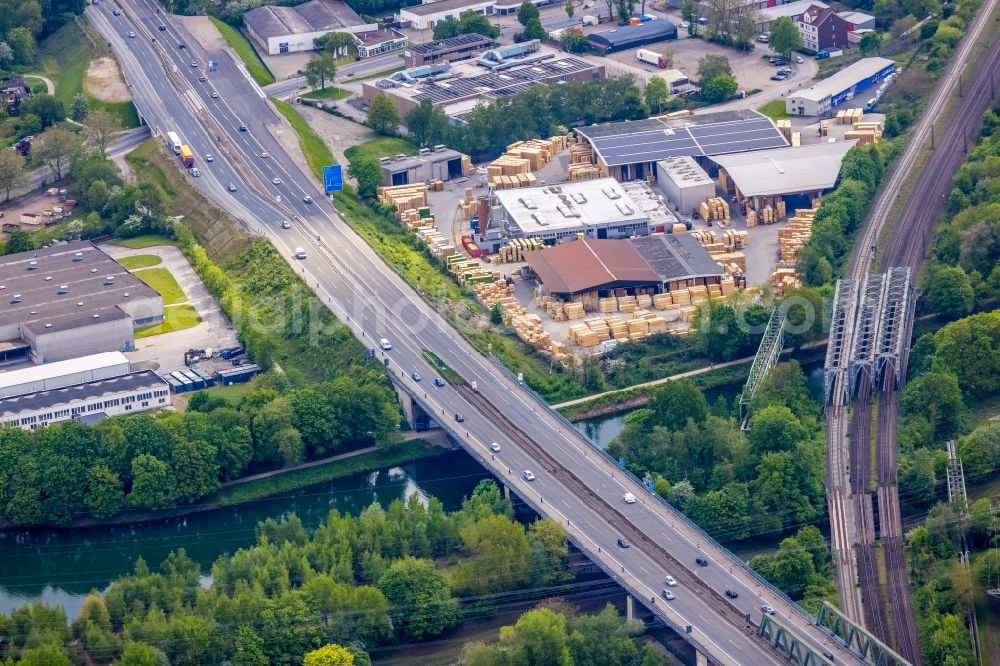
column 821, row 28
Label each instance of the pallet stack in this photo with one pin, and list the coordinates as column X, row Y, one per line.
column 467, row 168
column 865, row 132
column 792, row 237
column 588, row 171
column 403, row 197
column 751, row 218
column 715, row 208
column 581, row 153
column 732, row 262
column 796, row 139
column 850, row 116
column 733, row 240
column 784, row 280
column 785, row 127
column 824, row 127
column 515, row 249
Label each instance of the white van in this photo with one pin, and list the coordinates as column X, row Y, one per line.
column 300, row 253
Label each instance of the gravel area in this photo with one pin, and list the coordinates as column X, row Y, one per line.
column 105, row 82
column 204, row 31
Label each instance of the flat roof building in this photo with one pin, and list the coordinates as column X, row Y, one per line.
column 598, row 208
column 63, row 373
column 279, row 29
column 70, row 300
column 627, row 150
column 631, row 36
column 459, row 87
column 811, row 169
column 439, row 163
column 824, row 96
column 452, row 49
column 662, row 262
column 371, row 43
column 88, row 401
column 429, row 14
column 684, row 182
column 858, row 20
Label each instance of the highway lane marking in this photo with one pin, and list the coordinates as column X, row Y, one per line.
column 393, row 282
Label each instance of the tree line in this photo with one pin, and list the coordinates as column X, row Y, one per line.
column 359, row 583
column 55, row 474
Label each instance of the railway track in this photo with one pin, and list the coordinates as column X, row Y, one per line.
column 613, row 515
column 906, row 247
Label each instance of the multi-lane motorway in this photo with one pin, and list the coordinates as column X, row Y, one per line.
column 367, row 295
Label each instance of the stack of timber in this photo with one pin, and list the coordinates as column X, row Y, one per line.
column 865, row 132
column 784, row 280
column 469, row 205
column 515, row 249
column 469, row 271
column 403, row 197
column 785, row 127
column 733, row 240
column 715, row 208
column 582, row 171
column 792, row 237
column 581, row 153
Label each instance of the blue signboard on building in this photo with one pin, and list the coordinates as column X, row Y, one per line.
column 333, row 178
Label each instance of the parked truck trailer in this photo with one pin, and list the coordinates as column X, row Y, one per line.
column 651, row 58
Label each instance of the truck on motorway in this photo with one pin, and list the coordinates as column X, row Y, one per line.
column 173, row 142
column 187, row 156
column 651, row 58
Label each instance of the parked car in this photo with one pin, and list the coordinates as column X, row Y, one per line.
column 778, row 77
column 799, row 59
column 822, row 55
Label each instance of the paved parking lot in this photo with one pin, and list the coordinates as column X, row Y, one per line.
column 165, row 352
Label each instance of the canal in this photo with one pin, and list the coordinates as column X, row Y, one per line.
column 62, row 566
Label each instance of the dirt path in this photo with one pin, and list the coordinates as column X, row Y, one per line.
column 48, row 82
column 104, row 81
column 202, row 28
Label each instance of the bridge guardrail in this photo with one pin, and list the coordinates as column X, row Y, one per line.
column 672, row 509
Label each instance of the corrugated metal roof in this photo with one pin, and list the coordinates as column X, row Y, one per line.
column 786, row 170
column 628, row 33
column 843, row 80
column 586, row 265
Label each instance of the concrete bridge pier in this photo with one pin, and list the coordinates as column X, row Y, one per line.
column 406, row 404
column 700, row 659
column 506, row 491
column 629, row 607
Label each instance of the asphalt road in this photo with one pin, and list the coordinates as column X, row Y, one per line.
column 367, row 295
column 352, row 72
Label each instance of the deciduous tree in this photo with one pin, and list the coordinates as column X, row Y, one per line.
column 329, row 655
column 12, row 171
column 534, row 30
column 79, row 109
column 55, row 148
column 785, row 37
column 319, row 69
column 711, row 66
column 100, row 128
column 870, row 44
column 526, row 12
column 382, row 115
column 420, row 598
column 368, row 172
column 657, row 93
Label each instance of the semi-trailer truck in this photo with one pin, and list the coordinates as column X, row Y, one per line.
column 187, row 157
column 651, row 58
column 173, row 142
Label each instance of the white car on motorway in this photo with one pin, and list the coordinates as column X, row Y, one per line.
column 209, row 158
column 276, row 181
column 300, row 253
column 669, row 581
column 285, row 224
column 494, row 446
column 629, row 498
column 385, row 344
column 529, row 475
column 131, row 34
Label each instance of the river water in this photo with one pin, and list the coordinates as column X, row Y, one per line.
column 62, row 566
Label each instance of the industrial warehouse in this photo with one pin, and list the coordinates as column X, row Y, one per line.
column 500, row 72
column 628, row 150
column 70, row 300
column 824, row 96
column 88, row 389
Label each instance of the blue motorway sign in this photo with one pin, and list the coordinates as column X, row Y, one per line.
column 333, row 178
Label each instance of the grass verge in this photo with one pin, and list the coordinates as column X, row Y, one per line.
column 65, row 56
column 144, row 241
column 164, row 283
column 775, row 110
column 245, row 50
column 175, row 318
column 442, row 367
column 140, row 261
column 378, row 75
column 384, row 146
column 328, row 93
column 395, row 455
column 316, row 151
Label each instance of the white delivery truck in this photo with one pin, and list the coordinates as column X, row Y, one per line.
column 590, row 20
column 651, row 58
